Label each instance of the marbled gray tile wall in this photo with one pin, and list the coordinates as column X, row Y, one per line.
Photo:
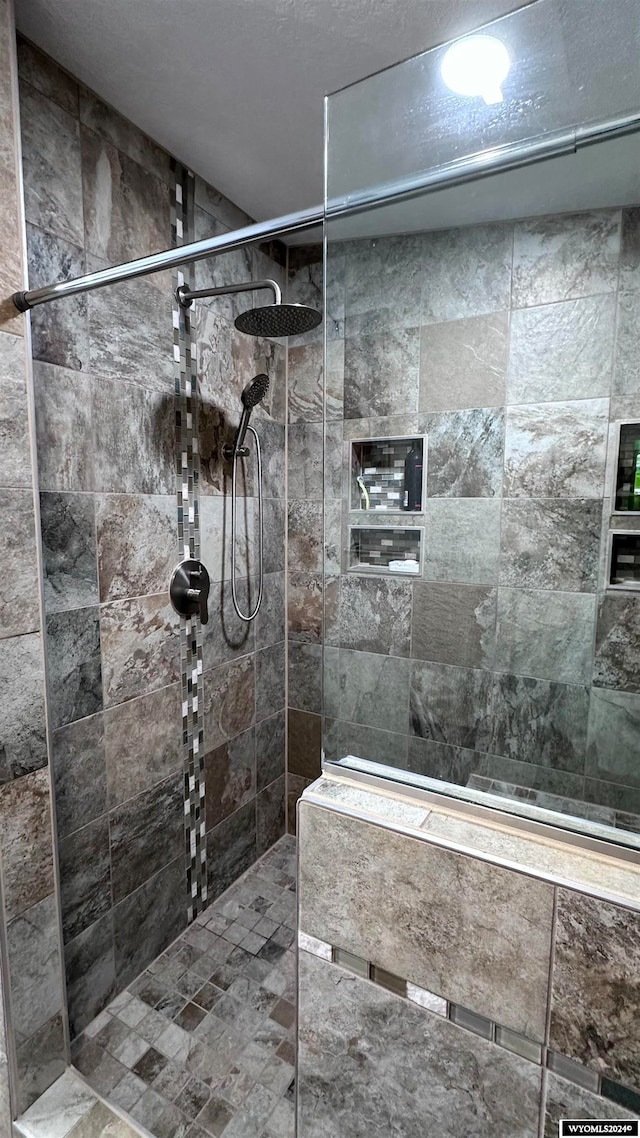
column 32, row 1038
column 507, row 662
column 555, row 972
column 97, row 192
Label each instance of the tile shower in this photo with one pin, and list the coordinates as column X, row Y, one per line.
column 131, row 733
column 506, row 665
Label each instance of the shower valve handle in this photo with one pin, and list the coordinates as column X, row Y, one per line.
column 189, row 589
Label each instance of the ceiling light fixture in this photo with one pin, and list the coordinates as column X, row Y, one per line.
column 477, row 66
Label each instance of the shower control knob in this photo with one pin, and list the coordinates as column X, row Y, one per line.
column 189, row 589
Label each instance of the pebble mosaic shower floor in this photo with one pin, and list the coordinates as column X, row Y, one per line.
column 202, row 1043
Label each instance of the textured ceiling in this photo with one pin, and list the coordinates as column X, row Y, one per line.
column 235, row 87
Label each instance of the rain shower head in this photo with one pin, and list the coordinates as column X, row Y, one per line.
column 273, row 320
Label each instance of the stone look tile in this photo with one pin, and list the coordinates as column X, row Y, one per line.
column 305, row 461
column 454, row 624
column 60, row 333
column 230, row 777
column 546, row 635
column 41, row 1060
column 142, row 742
column 463, row 363
column 612, row 748
column 617, row 660
column 15, row 456
column 305, row 677
column 270, row 815
column 19, row 607
column 229, row 700
column 304, row 743
column 124, row 135
column 85, row 877
column 625, row 366
column 44, row 74
column 140, row 648
column 396, row 354
column 465, row 272
column 450, row 705
column 577, row 336
column 134, row 443
column 366, row 743
column 548, row 544
column 465, row 453
column 141, row 350
column 67, row 523
column 136, row 203
column 79, row 773
column 63, row 428
column 136, row 544
column 373, row 690
column 34, row 967
column 556, row 450
column 595, row 1009
column 305, row 607
column 305, row 535
column 26, row 842
column 540, row 722
column 375, row 615
column 270, row 623
column 382, row 282
column 462, row 540
column 73, row 653
column 565, row 257
column 51, row 166
column 148, row 920
column 409, row 908
column 361, row 1044
column 270, row 666
column 146, row 832
column 23, row 740
column 90, row 973
column 226, row 636
column 270, row 749
column 566, row 1100
column 231, row 849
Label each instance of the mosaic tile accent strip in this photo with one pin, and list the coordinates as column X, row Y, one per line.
column 187, row 481
column 468, row 1020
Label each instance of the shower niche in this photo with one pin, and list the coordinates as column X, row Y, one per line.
column 387, row 478
column 628, row 469
column 388, row 474
column 385, row 549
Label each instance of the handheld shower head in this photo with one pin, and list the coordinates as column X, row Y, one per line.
column 254, row 392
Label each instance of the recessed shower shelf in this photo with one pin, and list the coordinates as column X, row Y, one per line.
column 387, row 474
column 394, row 551
column 627, row 502
column 624, row 560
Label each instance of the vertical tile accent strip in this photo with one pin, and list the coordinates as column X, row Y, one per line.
column 187, row 485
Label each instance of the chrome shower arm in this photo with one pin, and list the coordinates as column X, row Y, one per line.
column 185, row 296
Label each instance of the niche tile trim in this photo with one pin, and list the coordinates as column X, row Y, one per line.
column 187, row 488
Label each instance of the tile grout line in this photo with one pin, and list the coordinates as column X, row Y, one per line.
column 456, row 1014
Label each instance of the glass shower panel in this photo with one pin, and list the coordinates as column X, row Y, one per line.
column 482, row 429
